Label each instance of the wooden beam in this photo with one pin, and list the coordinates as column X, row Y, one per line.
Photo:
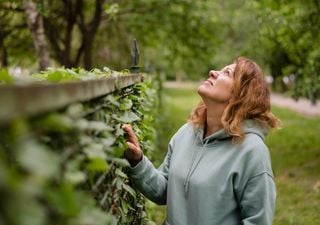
column 19, row 100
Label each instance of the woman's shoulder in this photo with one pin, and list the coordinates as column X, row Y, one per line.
column 254, row 147
column 185, row 128
column 184, row 131
column 255, row 154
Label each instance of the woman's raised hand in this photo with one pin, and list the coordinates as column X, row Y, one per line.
column 134, row 153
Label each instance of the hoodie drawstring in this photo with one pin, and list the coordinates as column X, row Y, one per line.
column 193, row 167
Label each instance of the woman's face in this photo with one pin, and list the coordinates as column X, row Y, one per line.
column 218, row 86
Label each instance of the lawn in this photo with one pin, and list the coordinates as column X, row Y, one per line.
column 295, row 152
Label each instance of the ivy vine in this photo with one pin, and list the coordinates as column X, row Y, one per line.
column 66, row 167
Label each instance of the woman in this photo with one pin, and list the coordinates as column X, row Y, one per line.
column 217, row 170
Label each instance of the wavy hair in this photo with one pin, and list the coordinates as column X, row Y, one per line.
column 250, row 99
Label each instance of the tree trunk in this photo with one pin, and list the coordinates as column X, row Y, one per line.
column 87, row 54
column 3, row 53
column 35, row 24
column 88, row 32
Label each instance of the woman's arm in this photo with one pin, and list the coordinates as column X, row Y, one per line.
column 257, row 204
column 148, row 180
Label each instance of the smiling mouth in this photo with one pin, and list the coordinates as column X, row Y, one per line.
column 210, row 82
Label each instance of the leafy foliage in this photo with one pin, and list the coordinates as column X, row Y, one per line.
column 289, row 38
column 66, row 167
column 180, row 39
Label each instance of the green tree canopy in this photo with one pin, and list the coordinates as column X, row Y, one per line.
column 175, row 36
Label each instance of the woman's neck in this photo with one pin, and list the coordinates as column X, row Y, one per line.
column 213, row 120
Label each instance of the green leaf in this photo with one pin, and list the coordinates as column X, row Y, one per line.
column 119, row 130
column 97, row 164
column 55, row 76
column 81, row 124
column 5, row 77
column 130, row 190
column 120, row 162
column 124, row 207
column 127, row 117
column 118, row 151
column 112, row 9
column 120, row 173
column 94, row 150
column 112, row 100
column 92, row 216
column 38, row 159
column 85, row 139
column 126, row 105
column 108, row 141
column 28, row 212
column 55, row 122
column 64, row 199
column 119, row 182
column 99, row 126
column 75, row 110
column 75, row 177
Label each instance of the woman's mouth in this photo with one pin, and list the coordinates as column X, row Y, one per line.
column 210, row 82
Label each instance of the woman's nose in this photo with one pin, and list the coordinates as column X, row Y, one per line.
column 213, row 74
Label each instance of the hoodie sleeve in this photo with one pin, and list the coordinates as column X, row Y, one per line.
column 150, row 181
column 257, row 204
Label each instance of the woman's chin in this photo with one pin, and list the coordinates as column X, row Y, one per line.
column 202, row 91
column 203, row 88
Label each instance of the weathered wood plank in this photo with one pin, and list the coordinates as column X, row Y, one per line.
column 33, row 99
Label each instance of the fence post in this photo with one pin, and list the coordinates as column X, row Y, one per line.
column 135, row 57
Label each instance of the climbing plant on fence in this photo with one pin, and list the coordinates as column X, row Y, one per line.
column 65, row 166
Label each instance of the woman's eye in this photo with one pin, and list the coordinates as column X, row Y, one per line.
column 229, row 73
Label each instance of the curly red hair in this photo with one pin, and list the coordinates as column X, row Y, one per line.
column 250, row 100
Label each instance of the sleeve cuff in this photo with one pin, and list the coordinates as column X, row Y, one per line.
column 140, row 169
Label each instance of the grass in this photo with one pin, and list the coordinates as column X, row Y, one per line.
column 295, row 153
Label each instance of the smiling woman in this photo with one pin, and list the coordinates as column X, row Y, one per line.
column 217, row 170
column 235, row 93
column 218, row 87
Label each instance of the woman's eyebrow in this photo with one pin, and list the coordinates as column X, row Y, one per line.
column 227, row 69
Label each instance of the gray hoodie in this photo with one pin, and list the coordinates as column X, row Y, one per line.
column 211, row 181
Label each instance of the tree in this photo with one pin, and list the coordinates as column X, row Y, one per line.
column 61, row 20
column 35, row 24
column 177, row 37
column 289, row 37
column 15, row 39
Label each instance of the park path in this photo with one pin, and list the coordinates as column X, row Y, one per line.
column 302, row 106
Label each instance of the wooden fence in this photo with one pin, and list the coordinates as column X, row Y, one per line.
column 38, row 98
column 86, row 148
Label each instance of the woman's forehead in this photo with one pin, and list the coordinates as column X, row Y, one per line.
column 231, row 67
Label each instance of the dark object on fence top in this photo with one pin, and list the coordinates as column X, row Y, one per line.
column 135, row 57
column 16, row 101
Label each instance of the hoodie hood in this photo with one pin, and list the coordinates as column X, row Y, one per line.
column 254, row 127
column 248, row 126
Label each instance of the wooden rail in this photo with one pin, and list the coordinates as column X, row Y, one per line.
column 33, row 99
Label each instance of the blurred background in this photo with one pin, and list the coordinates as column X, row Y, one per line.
column 179, row 42
column 180, row 39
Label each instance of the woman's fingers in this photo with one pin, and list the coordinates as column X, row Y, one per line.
column 131, row 135
column 133, row 153
column 133, row 147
